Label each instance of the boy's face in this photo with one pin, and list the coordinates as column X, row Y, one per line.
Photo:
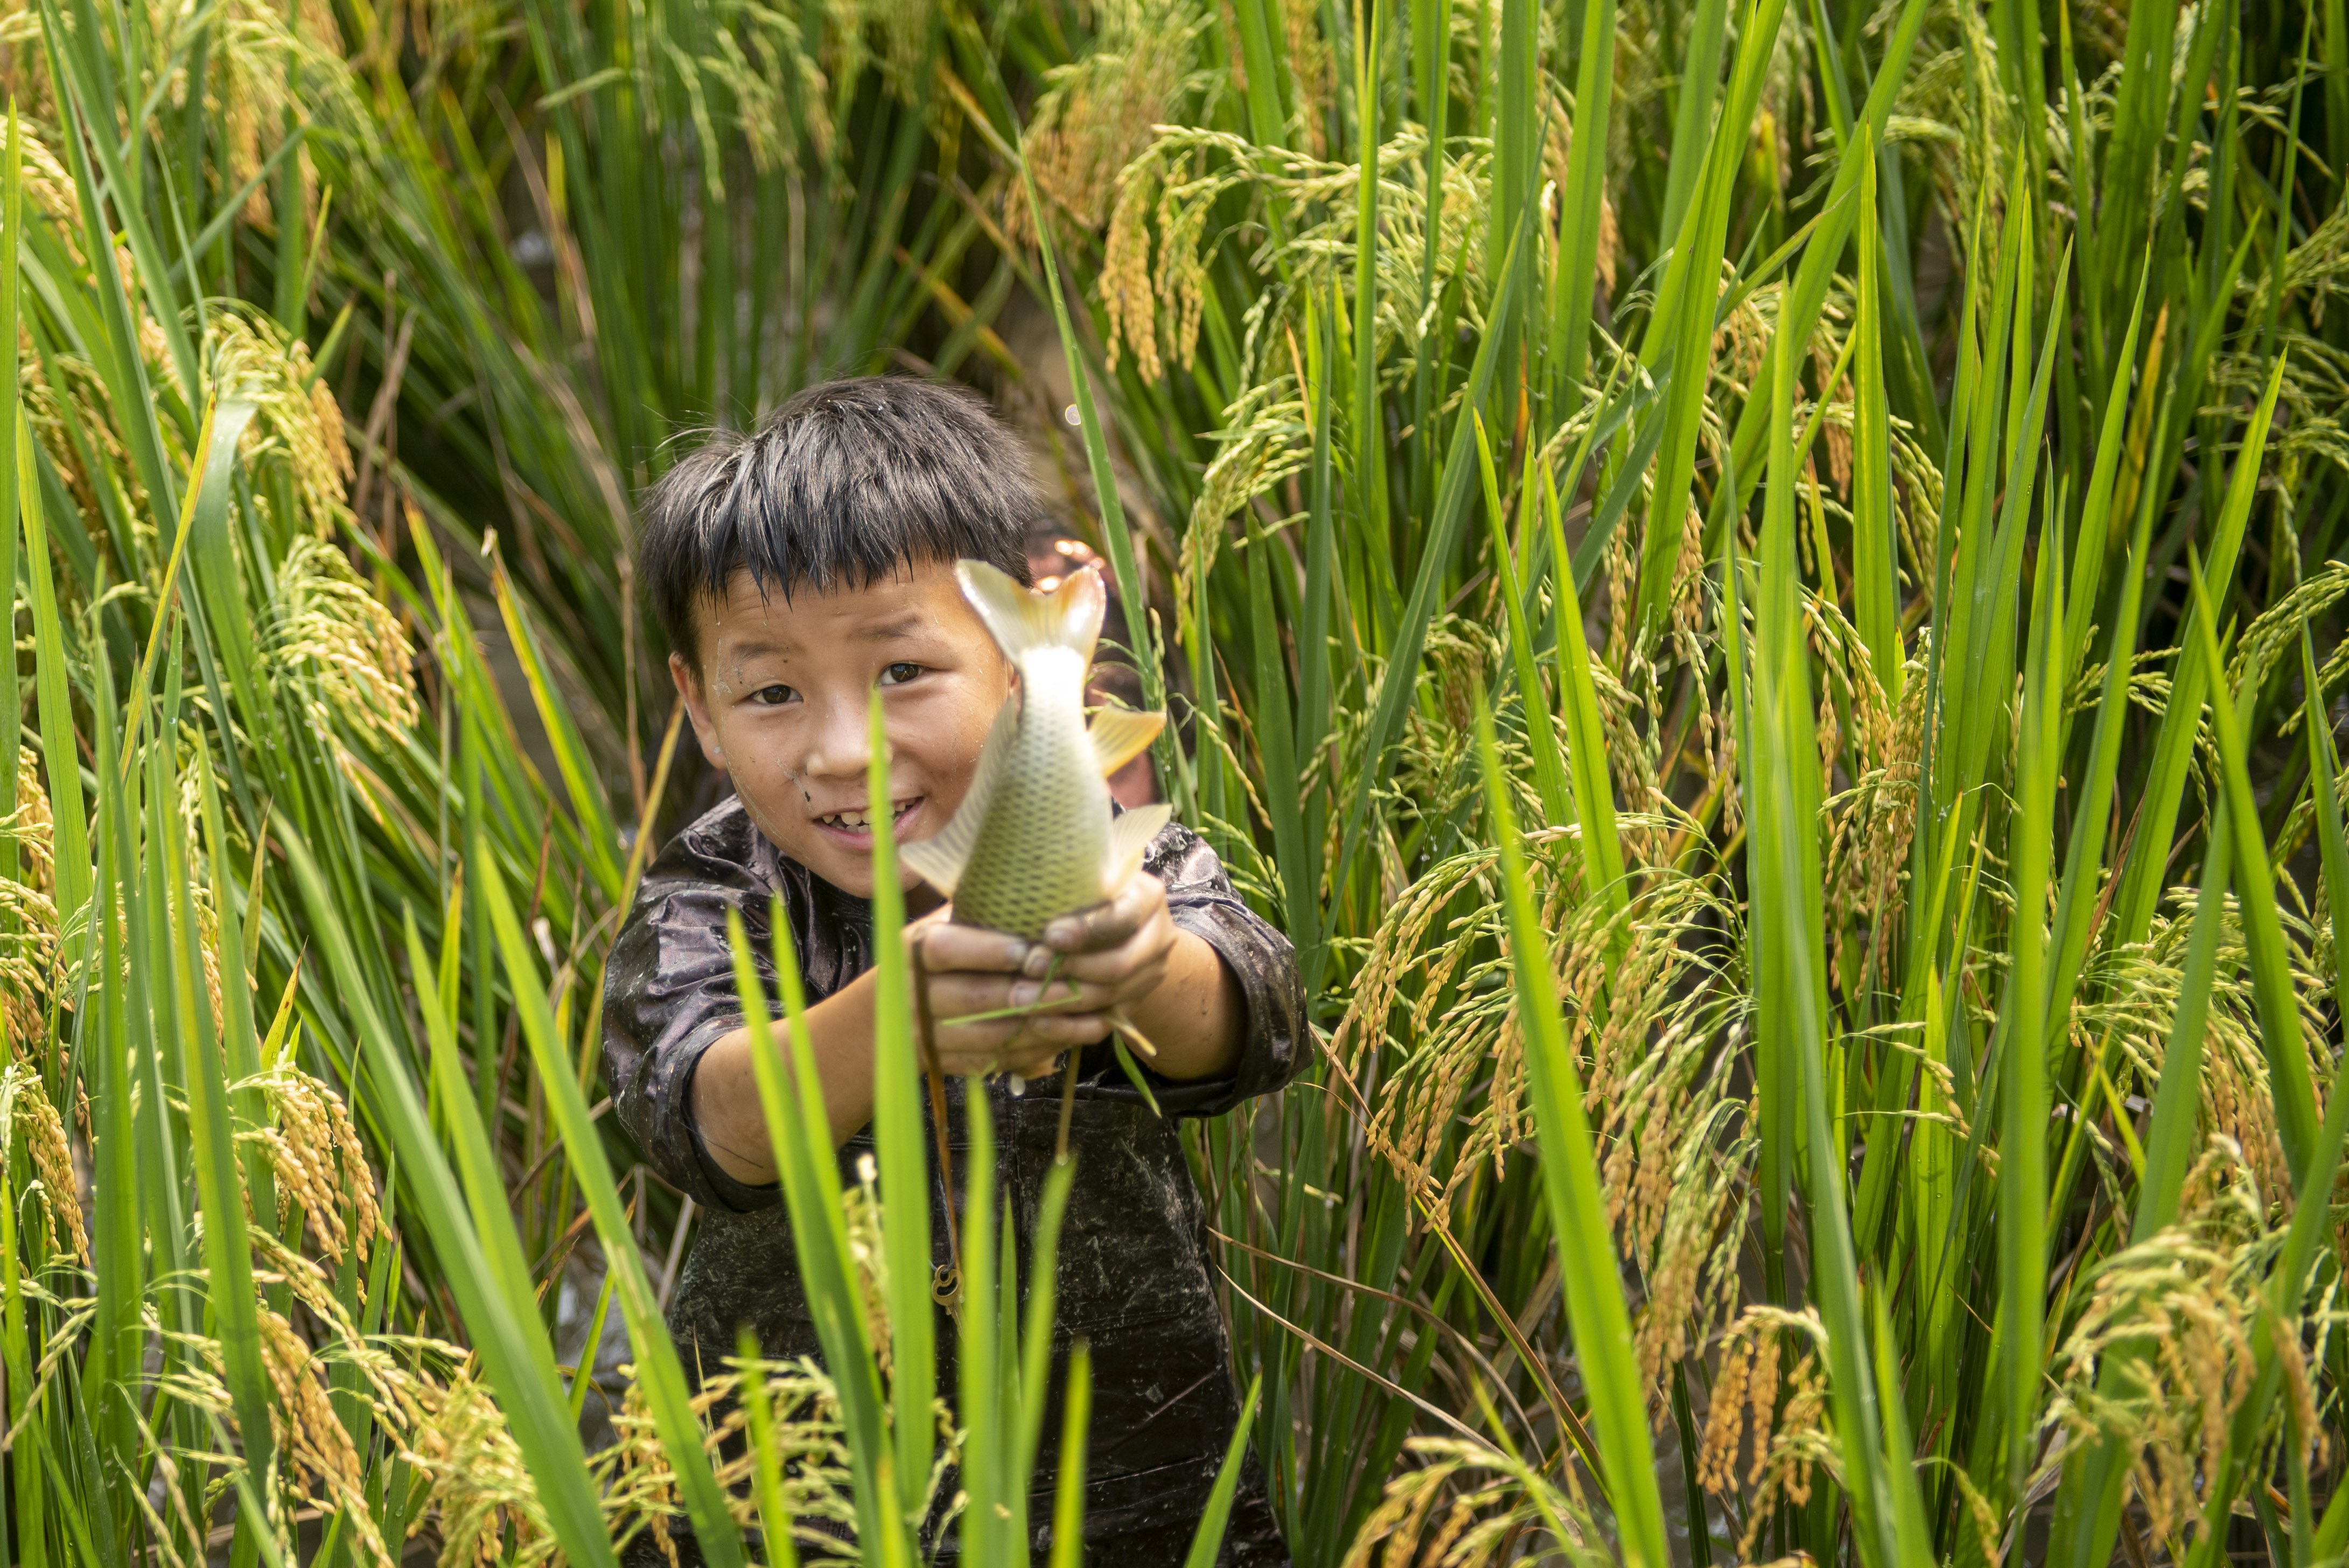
column 780, row 705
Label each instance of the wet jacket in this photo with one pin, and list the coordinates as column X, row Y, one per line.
column 1134, row 1276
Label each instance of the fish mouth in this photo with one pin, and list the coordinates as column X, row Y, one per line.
column 854, row 828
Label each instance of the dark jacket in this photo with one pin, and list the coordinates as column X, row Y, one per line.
column 1134, row 1276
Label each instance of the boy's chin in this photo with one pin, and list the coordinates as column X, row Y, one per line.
column 849, row 870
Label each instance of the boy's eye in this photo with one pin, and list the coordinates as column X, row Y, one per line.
column 900, row 673
column 773, row 695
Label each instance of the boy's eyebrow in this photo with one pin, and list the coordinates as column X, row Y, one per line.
column 904, row 626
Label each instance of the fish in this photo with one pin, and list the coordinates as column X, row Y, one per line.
column 1036, row 836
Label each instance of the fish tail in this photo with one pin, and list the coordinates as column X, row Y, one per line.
column 1024, row 622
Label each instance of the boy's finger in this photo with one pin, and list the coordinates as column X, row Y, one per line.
column 955, row 995
column 1058, row 1033
column 1105, row 924
column 967, row 947
column 1119, row 965
column 974, row 997
column 1116, row 967
column 1030, row 1054
column 1063, row 995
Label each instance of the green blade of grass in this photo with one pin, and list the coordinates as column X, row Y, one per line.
column 53, row 694
column 220, row 1191
column 899, row 1143
column 1875, row 551
column 1593, row 784
column 1588, row 1272
column 503, row 1329
column 1068, row 1487
column 2083, row 858
column 2324, row 774
column 598, row 837
column 1117, row 539
column 1274, row 735
column 986, row 1527
column 1682, row 324
column 2022, row 1112
column 1398, row 682
column 775, row 1520
column 1699, row 84
column 2165, row 781
column 1549, row 769
column 2314, row 1181
column 1037, row 1326
column 2271, row 982
column 792, row 1101
column 1207, row 1540
column 659, row 1372
column 1783, row 794
column 1576, row 267
column 1367, row 413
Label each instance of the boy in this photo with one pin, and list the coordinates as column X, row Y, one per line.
column 793, row 571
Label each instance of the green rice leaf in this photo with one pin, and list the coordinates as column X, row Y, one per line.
column 1569, row 1171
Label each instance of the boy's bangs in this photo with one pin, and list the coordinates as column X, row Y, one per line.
column 847, row 484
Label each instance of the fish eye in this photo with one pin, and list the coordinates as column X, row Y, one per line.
column 900, row 673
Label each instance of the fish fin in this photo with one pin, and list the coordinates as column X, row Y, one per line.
column 933, row 863
column 1023, row 621
column 1120, row 735
column 940, row 859
column 1129, row 837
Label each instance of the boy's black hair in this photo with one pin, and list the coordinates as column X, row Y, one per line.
column 844, row 484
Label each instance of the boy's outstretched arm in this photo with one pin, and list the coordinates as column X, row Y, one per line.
column 1125, row 956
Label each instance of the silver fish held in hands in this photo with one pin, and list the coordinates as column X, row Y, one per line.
column 1034, row 837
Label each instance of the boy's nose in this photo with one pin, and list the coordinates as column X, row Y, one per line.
column 841, row 746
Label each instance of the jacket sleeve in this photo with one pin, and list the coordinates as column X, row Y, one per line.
column 668, row 996
column 1274, row 1045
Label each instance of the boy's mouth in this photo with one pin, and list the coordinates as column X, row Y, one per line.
column 855, row 828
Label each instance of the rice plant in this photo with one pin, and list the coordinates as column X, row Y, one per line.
column 1754, row 584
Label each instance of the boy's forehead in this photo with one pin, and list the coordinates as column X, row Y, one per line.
column 921, row 597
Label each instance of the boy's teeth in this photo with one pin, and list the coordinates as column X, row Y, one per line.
column 854, row 820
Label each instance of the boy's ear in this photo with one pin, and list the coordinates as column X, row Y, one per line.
column 688, row 681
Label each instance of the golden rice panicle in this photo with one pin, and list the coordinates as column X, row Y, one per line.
column 296, row 420
column 340, row 649
column 1125, row 291
column 32, row 826
column 480, row 1487
column 1391, row 1533
column 1724, row 1425
column 1784, row 1442
column 307, row 1430
column 804, row 1407
column 29, row 1111
column 1762, row 1397
column 865, row 1246
column 1797, row 1440
column 2162, row 1359
column 1100, row 112
column 28, row 935
column 1490, row 1511
column 647, row 1489
column 1180, row 279
column 320, row 1162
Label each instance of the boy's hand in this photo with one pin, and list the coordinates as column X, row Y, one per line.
column 1111, row 957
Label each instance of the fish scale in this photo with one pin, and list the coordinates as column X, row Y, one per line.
column 1012, row 881
column 1035, row 837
